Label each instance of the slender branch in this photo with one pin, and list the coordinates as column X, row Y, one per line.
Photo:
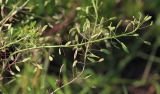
column 9, row 44
column 68, row 46
column 96, row 14
column 78, row 76
column 150, row 61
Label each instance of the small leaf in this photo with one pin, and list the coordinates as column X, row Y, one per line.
column 87, row 76
column 133, row 23
column 50, row 58
column 105, row 51
column 18, row 75
column 17, row 68
column 87, row 9
column 59, row 50
column 112, row 18
column 10, row 30
column 78, row 28
column 68, row 43
column 12, row 57
column 86, row 25
column 124, row 47
column 127, row 27
column 100, row 60
column 95, row 35
column 93, row 55
column 151, row 23
column 76, row 38
column 102, row 21
column 119, row 23
column 26, row 59
column 140, row 16
column 12, row 73
column 91, row 59
column 146, row 42
column 44, row 28
column 61, row 68
column 147, row 18
column 74, row 63
column 135, row 35
column 75, row 53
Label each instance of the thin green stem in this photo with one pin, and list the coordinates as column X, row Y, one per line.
column 81, row 72
column 74, row 45
column 150, row 61
column 9, row 44
column 96, row 14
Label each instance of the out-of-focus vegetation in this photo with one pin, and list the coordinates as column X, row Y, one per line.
column 79, row 46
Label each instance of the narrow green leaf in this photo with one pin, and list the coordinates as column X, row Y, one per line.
column 124, row 47
column 76, row 38
column 93, row 55
column 17, row 68
column 44, row 28
column 105, row 51
column 119, row 23
column 147, row 42
column 61, row 68
column 59, row 50
column 12, row 73
column 112, row 18
column 68, row 43
column 74, row 63
column 135, row 35
column 100, row 60
column 127, row 27
column 147, row 18
column 75, row 53
column 151, row 23
column 26, row 59
column 91, row 59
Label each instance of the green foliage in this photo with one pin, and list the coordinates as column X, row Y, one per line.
column 26, row 55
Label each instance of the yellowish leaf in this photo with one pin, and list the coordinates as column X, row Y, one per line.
column 74, row 63
column 17, row 68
